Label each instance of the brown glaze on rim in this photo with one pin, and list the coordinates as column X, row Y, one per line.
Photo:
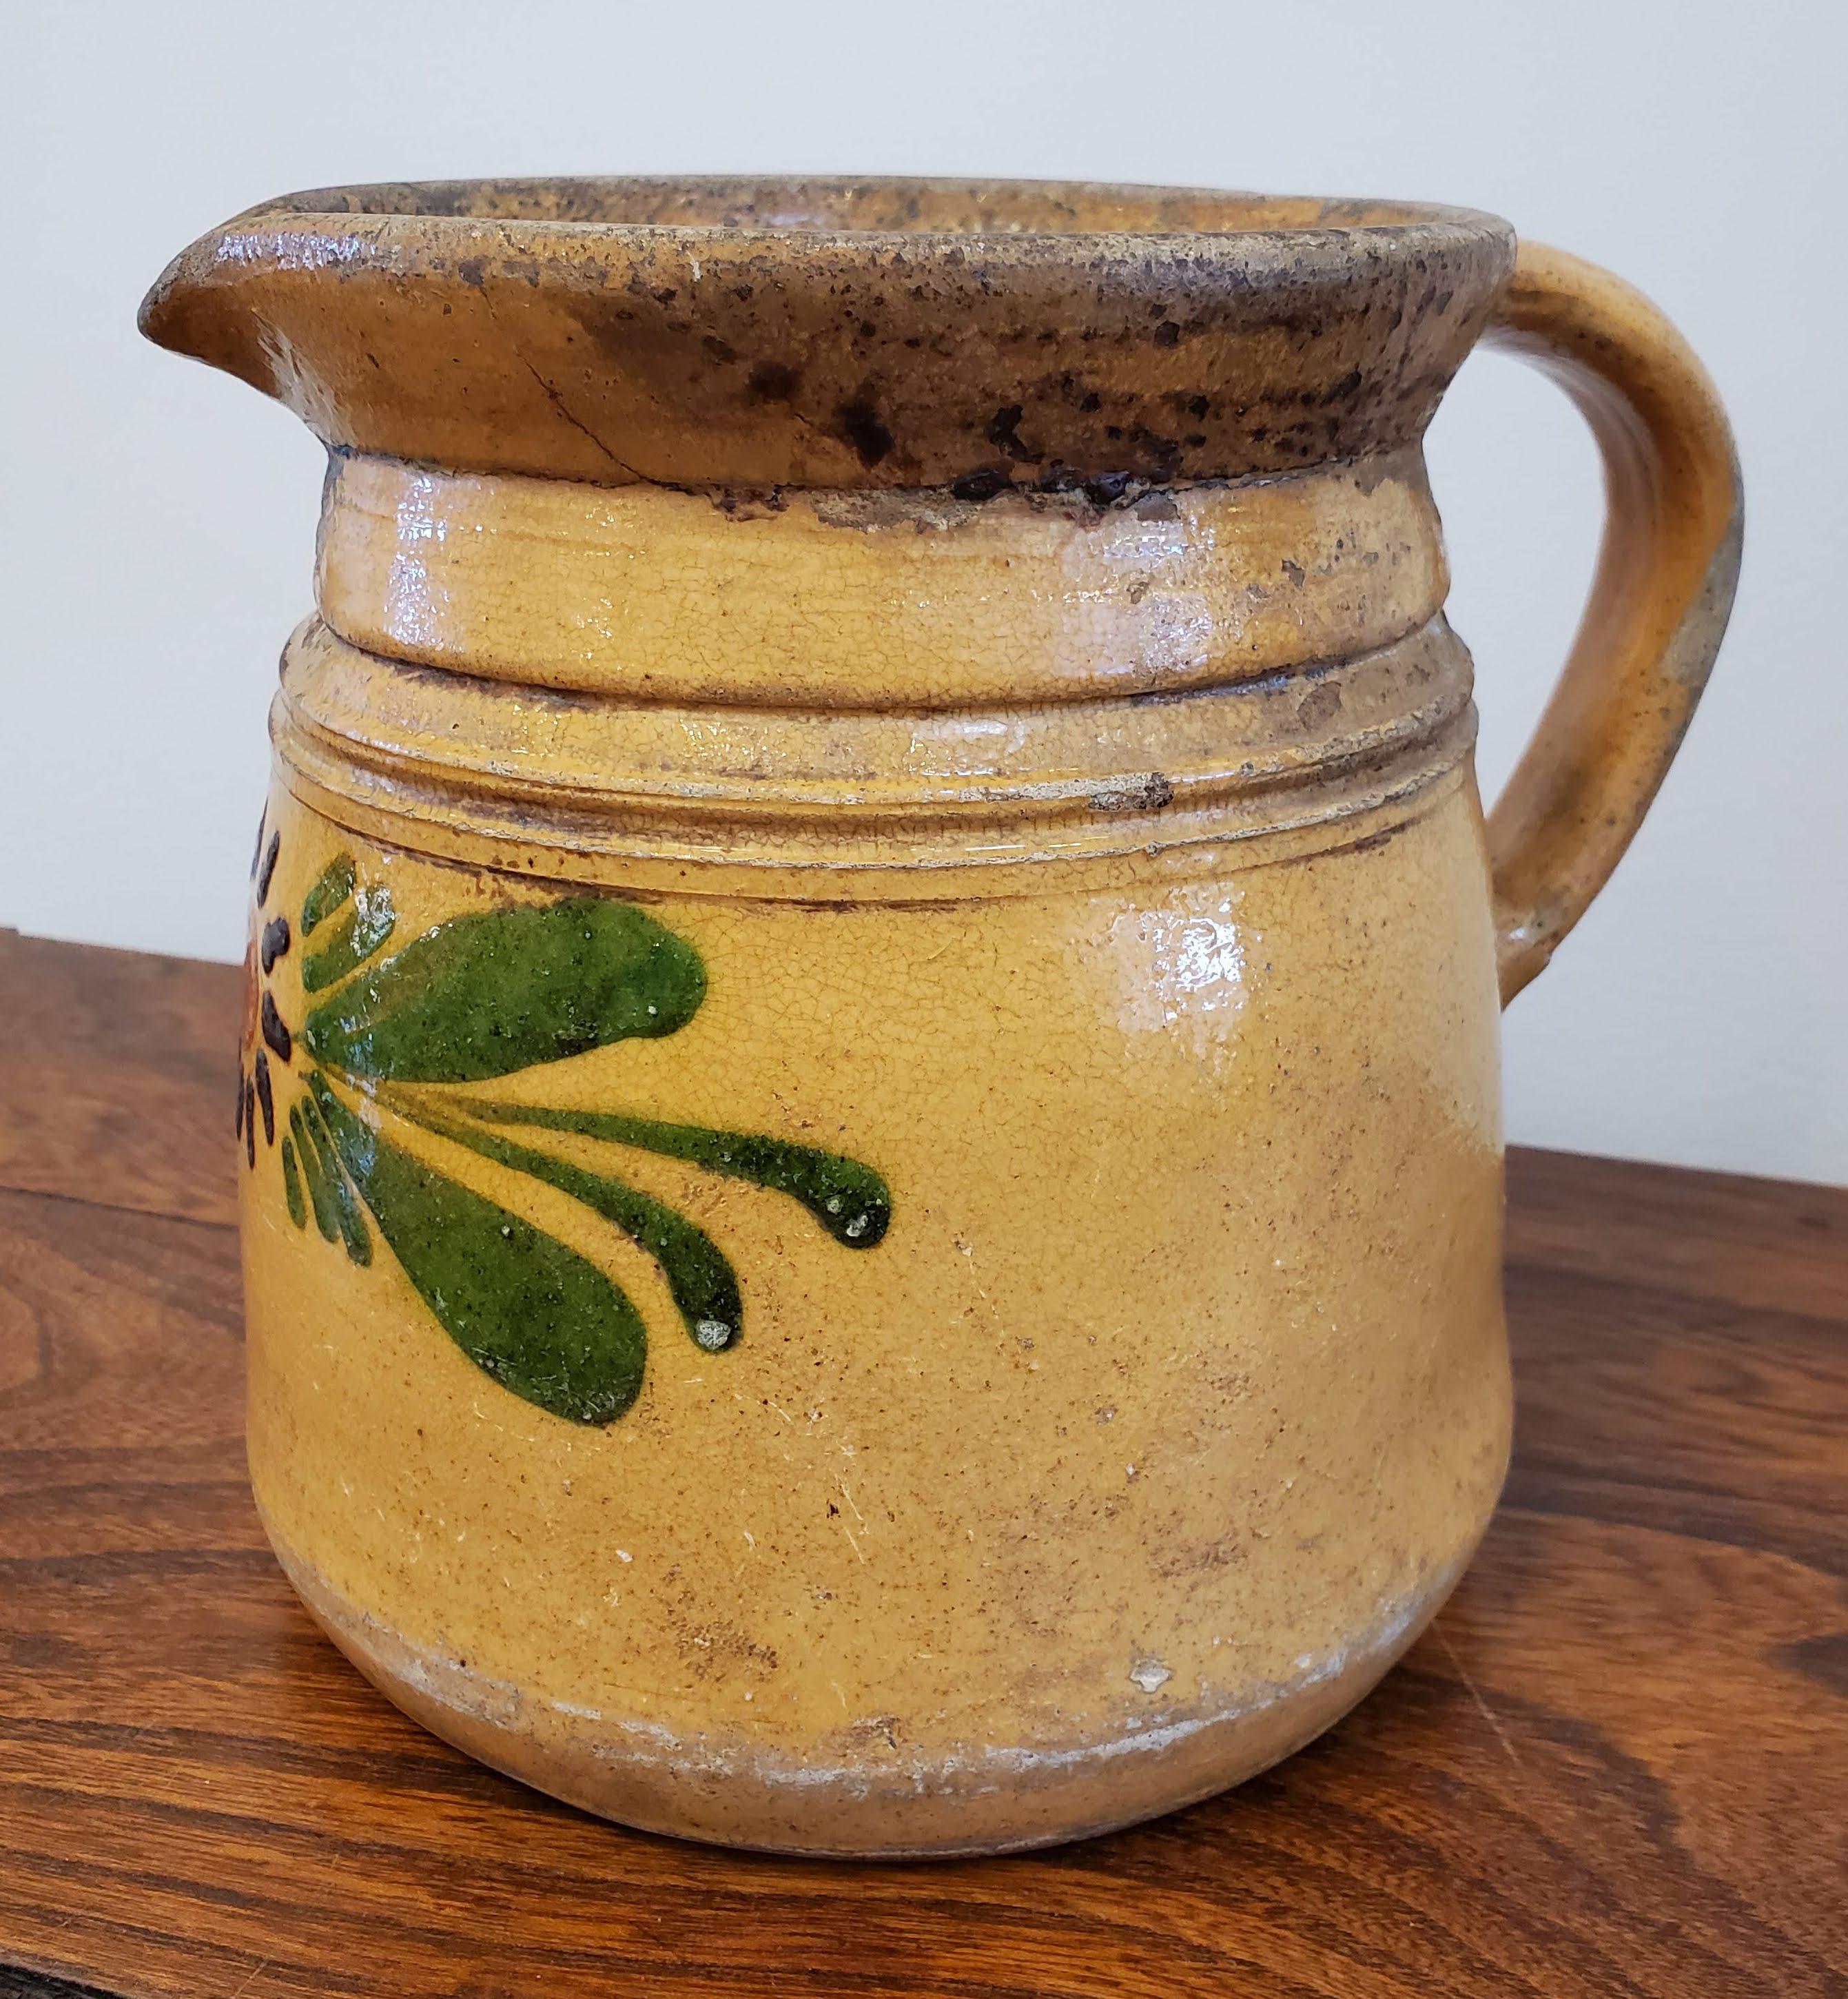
column 762, row 333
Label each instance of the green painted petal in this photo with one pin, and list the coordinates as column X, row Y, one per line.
column 334, row 886
column 292, row 1185
column 351, row 1222
column 849, row 1200
column 320, row 1192
column 489, row 994
column 703, row 1284
column 538, row 1317
column 369, row 924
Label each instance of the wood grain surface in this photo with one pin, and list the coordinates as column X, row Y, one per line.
column 1618, row 1764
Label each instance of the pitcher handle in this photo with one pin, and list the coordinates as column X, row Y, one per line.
column 1667, row 572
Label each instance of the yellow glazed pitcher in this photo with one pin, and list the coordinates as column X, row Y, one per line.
column 869, row 1092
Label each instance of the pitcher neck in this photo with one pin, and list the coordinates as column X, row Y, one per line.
column 901, row 600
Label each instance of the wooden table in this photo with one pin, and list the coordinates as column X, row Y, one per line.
column 1618, row 1765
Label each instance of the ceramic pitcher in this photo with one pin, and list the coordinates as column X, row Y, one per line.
column 869, row 1089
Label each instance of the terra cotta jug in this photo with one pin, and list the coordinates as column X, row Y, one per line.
column 869, row 1090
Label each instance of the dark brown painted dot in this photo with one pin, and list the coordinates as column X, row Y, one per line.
column 1003, row 431
column 269, row 866
column 274, row 1033
column 243, row 1082
column 275, row 941
column 257, row 851
column 250, row 1125
column 266, row 1099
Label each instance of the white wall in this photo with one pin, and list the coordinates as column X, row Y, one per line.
column 157, row 518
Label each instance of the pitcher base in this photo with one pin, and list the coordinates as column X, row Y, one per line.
column 962, row 1799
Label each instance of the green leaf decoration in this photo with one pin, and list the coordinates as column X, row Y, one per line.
column 487, row 996
column 703, row 1283
column 320, row 1194
column 849, row 1200
column 347, row 1218
column 332, row 887
column 369, row 924
column 538, row 1317
column 501, row 991
column 292, row 1185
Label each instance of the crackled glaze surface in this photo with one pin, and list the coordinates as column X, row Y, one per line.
column 872, row 1209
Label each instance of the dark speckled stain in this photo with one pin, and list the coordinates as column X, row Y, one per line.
column 774, row 381
column 982, row 485
column 1004, row 431
column 1822, row 1659
column 1320, row 706
column 750, row 505
column 861, row 426
column 1107, row 488
column 1143, row 794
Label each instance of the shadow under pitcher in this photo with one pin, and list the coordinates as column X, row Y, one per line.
column 870, row 1090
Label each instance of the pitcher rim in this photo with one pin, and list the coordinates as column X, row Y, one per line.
column 516, row 200
column 728, row 336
